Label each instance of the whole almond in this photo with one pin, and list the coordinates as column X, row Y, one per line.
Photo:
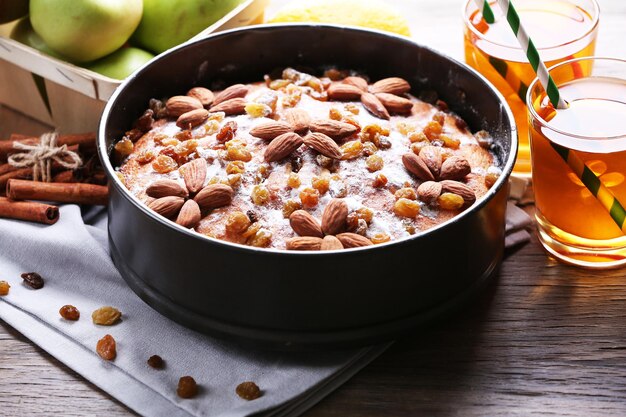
column 304, row 243
column 431, row 155
column 330, row 242
column 230, row 107
column 282, row 146
column 455, row 168
column 358, row 82
column 394, row 103
column 416, row 166
column 374, row 106
column 323, row 144
column 214, row 196
column 304, row 224
column 166, row 188
column 393, row 85
column 270, row 130
column 192, row 118
column 332, row 128
column 167, row 206
column 458, row 188
column 428, row 191
column 194, row 174
column 178, row 105
column 352, row 240
column 334, row 216
column 189, row 215
column 298, row 119
column 343, row 92
column 204, row 95
column 234, row 91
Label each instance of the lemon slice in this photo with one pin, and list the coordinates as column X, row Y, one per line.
column 373, row 14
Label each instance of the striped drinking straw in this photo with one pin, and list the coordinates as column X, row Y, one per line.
column 593, row 183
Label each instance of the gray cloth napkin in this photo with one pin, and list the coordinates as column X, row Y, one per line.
column 73, row 258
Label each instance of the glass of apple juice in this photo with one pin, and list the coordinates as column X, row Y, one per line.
column 579, row 163
column 560, row 29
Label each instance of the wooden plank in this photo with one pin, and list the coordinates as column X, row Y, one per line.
column 547, row 339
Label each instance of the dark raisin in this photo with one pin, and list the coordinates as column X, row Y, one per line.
column 134, row 135
column 69, row 312
column 158, row 108
column 248, row 390
column 33, row 280
column 145, row 122
column 227, row 132
column 156, row 362
column 442, row 105
column 252, row 216
column 296, row 163
column 187, row 387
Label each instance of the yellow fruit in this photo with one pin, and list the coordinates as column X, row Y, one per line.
column 373, row 14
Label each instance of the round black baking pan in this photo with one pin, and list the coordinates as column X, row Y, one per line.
column 301, row 300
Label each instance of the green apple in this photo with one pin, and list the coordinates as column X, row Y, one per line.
column 85, row 30
column 12, row 9
column 23, row 32
column 121, row 63
column 167, row 23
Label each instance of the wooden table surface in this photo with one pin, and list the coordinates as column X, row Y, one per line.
column 545, row 339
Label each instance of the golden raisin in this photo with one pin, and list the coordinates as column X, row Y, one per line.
column 380, row 238
column 238, row 153
column 170, row 142
column 4, row 288
column 352, row 108
column 261, row 239
column 235, row 167
column 439, row 117
column 234, row 180
column 335, row 114
column 186, row 148
column 258, row 110
column 248, row 390
column 491, row 178
column 156, row 362
column 351, row 149
column 124, row 147
column 69, row 312
column 382, row 142
column 450, row 142
column 309, row 197
column 269, row 99
column 211, row 127
column 369, row 148
column 292, row 97
column 365, row 213
column 370, row 132
column 374, row 163
column 260, row 195
column 187, row 387
column 406, row 192
column 106, row 348
column 406, row 208
column 106, row 316
column 405, row 128
column 416, row 147
column 450, row 201
column 278, row 84
column 321, row 184
column 379, row 181
column 432, row 130
column 145, row 156
column 293, row 181
column 237, row 222
column 290, row 206
column 418, row 137
column 164, row 164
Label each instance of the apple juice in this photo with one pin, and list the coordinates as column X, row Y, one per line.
column 561, row 30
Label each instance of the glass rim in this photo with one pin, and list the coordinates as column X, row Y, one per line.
column 470, row 26
column 545, row 123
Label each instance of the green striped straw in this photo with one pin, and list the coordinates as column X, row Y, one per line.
column 485, row 10
column 593, row 183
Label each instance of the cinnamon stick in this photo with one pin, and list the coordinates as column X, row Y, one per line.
column 29, row 211
column 85, row 141
column 77, row 193
column 18, row 173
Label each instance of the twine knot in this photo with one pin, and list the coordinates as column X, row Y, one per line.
column 41, row 156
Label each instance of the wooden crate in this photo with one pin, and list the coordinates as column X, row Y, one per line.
column 76, row 96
